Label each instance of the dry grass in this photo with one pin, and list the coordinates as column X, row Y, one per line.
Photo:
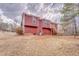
column 13, row 44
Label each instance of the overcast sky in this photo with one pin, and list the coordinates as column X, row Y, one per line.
column 13, row 10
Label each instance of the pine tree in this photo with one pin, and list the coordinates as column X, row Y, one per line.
column 70, row 11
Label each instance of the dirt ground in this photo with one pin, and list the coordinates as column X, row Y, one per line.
column 12, row 44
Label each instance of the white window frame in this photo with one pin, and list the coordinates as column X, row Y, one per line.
column 33, row 20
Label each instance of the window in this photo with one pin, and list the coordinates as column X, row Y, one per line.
column 34, row 20
column 46, row 22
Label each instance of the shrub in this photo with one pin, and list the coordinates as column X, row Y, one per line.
column 19, row 30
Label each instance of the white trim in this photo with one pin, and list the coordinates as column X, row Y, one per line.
column 23, row 18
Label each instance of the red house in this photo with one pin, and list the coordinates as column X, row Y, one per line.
column 36, row 25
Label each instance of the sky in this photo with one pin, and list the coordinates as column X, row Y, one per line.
column 48, row 11
column 11, row 10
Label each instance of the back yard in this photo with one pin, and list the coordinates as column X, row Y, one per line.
column 12, row 44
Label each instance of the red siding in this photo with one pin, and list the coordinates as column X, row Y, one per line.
column 29, row 19
column 47, row 31
column 40, row 26
column 43, row 26
column 30, row 29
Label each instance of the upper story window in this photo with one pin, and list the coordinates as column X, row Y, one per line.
column 34, row 20
column 46, row 22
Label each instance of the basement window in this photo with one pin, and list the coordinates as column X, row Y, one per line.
column 33, row 20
